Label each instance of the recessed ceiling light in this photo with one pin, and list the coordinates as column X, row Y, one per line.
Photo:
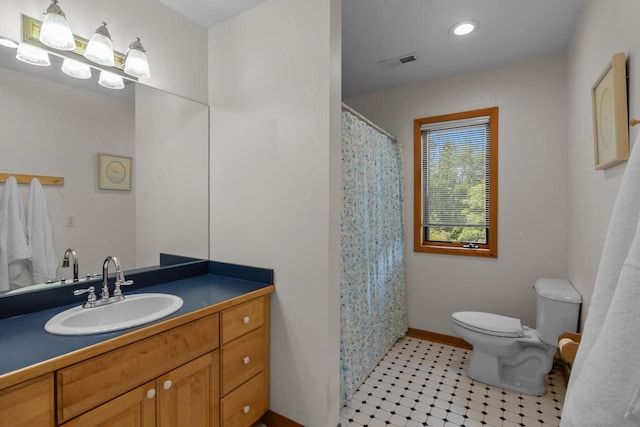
column 464, row 27
column 8, row 43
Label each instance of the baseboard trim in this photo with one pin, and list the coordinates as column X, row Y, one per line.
column 273, row 419
column 439, row 338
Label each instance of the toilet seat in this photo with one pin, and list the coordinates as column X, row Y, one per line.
column 489, row 324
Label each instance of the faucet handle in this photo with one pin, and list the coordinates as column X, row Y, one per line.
column 117, row 293
column 91, row 298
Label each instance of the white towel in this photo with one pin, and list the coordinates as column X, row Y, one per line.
column 40, row 236
column 606, row 372
column 14, row 250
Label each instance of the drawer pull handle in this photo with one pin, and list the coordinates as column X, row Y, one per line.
column 151, row 393
column 246, row 409
column 246, row 360
column 167, row 384
column 245, row 319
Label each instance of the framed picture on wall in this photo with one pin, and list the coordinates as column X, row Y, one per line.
column 610, row 114
column 114, row 172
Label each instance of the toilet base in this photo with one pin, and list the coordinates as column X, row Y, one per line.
column 524, row 372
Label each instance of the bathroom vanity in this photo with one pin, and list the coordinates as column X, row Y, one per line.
column 205, row 365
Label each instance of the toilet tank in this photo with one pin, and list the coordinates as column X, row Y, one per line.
column 557, row 309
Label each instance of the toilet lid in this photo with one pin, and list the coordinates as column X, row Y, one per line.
column 488, row 323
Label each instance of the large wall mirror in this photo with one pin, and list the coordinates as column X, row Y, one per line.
column 54, row 125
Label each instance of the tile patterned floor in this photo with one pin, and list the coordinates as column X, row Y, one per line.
column 420, row 383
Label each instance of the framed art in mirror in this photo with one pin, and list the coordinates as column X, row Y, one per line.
column 114, row 172
column 610, row 115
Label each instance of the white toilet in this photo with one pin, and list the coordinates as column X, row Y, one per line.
column 509, row 355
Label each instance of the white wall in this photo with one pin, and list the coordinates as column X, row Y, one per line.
column 532, row 209
column 176, row 46
column 40, row 138
column 605, row 28
column 274, row 96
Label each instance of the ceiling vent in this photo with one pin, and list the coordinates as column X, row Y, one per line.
column 394, row 62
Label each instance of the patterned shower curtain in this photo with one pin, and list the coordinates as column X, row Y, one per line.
column 372, row 294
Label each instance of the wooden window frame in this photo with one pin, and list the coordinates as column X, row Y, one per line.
column 490, row 249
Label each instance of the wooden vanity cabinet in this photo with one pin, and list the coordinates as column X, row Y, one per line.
column 29, row 404
column 97, row 380
column 186, row 396
column 210, row 370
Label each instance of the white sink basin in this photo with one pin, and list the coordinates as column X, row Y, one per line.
column 134, row 310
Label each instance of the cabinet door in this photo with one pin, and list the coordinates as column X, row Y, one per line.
column 189, row 396
column 136, row 408
column 29, row 404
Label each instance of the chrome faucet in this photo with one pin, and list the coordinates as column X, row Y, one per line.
column 104, row 295
column 65, row 262
column 105, row 299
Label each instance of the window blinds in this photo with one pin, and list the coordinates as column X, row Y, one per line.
column 455, row 181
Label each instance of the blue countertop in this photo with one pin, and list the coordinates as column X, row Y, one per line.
column 25, row 342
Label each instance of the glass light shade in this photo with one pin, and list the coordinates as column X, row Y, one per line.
column 136, row 63
column 32, row 55
column 110, row 80
column 100, row 49
column 8, row 43
column 55, row 31
column 76, row 69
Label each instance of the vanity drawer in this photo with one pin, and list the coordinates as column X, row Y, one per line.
column 29, row 404
column 242, row 359
column 239, row 320
column 245, row 405
column 88, row 384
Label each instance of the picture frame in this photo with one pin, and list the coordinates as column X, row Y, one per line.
column 114, row 172
column 610, row 114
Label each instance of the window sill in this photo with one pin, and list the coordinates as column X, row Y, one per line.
column 485, row 252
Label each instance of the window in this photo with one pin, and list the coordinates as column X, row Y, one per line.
column 456, row 183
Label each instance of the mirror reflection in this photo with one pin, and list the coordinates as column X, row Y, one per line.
column 56, row 125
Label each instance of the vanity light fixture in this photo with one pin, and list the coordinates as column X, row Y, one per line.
column 110, row 80
column 136, row 63
column 465, row 27
column 32, row 55
column 55, row 30
column 100, row 48
column 76, row 69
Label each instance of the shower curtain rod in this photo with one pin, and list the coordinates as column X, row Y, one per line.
column 369, row 122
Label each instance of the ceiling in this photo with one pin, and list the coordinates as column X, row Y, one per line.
column 510, row 30
column 377, row 30
column 210, row 13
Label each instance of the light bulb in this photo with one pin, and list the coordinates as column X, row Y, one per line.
column 55, row 31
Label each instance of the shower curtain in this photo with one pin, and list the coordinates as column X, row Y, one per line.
column 372, row 288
